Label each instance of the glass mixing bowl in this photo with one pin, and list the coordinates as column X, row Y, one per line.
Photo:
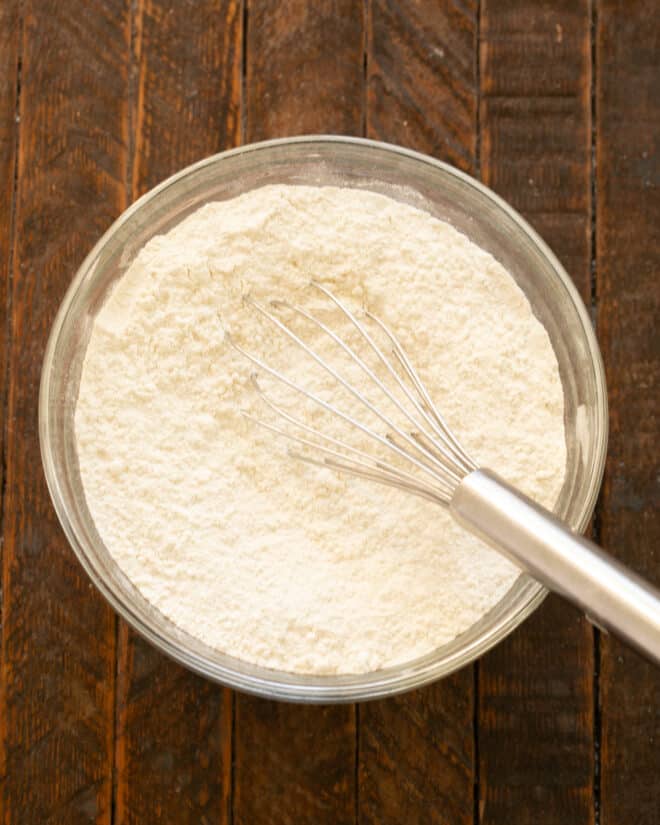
column 409, row 177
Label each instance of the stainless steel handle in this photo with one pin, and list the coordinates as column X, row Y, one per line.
column 611, row 595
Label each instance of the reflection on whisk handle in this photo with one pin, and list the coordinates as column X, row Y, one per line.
column 613, row 597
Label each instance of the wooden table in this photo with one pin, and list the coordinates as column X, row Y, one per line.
column 556, row 105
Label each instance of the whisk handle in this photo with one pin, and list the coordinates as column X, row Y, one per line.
column 612, row 596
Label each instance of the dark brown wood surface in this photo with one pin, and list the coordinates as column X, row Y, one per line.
column 627, row 106
column 304, row 68
column 58, row 635
column 556, row 105
column 10, row 38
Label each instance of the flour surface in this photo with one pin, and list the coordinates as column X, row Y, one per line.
column 262, row 557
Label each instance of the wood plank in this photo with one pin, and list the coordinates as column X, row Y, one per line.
column 173, row 740
column 173, row 749
column 304, row 68
column 416, row 751
column 536, row 712
column 416, row 757
column 296, row 764
column 421, row 75
column 58, row 635
column 10, row 48
column 535, row 120
column 10, row 41
column 188, row 102
column 628, row 261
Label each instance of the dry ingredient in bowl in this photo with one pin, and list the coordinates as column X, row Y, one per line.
column 262, row 557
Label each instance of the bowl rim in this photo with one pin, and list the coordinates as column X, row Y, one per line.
column 302, row 687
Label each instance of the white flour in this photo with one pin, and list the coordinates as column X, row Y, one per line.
column 260, row 556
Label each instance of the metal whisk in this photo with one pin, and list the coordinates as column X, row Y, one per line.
column 425, row 459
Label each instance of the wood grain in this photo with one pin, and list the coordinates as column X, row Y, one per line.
column 58, row 634
column 535, row 120
column 188, row 102
column 628, row 261
column 173, row 741
column 416, row 756
column 416, row 751
column 421, row 77
column 173, row 748
column 296, row 764
column 536, row 714
column 10, row 44
column 10, row 49
column 304, row 68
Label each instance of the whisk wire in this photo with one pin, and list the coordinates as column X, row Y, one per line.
column 365, row 368
column 433, row 416
column 364, row 458
column 430, row 446
column 347, row 385
column 331, row 409
column 435, row 420
column 417, row 490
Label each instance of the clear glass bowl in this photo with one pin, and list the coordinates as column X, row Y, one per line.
column 407, row 176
